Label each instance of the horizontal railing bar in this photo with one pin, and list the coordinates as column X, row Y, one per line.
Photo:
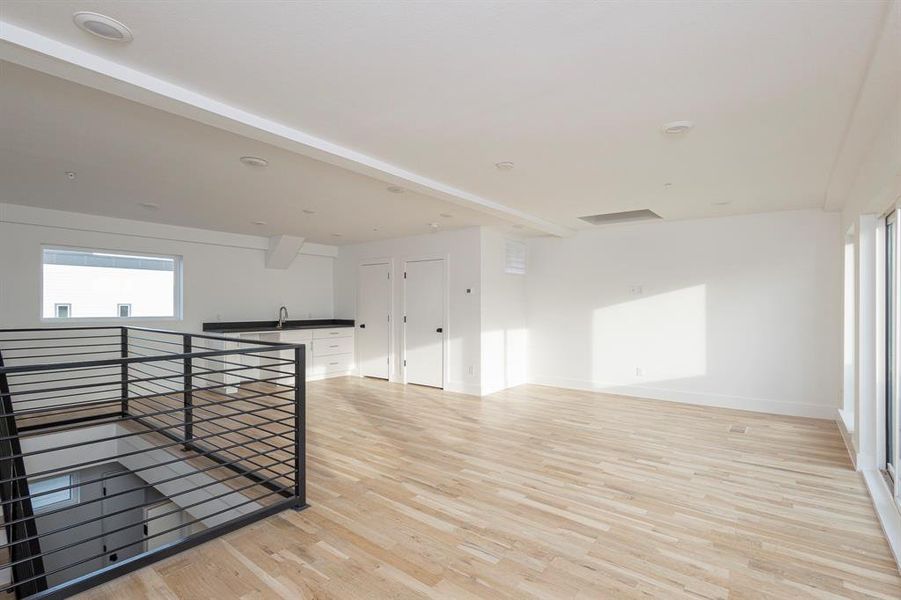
column 150, row 378
column 66, row 328
column 52, row 371
column 97, row 441
column 141, row 359
column 204, row 453
column 123, row 418
column 68, row 337
column 42, row 428
column 11, row 349
column 250, row 439
column 64, row 355
column 271, row 380
column 69, row 566
column 179, row 357
column 233, row 399
column 206, row 336
column 117, row 381
column 150, row 503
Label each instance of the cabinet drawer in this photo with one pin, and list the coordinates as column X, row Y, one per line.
column 335, row 332
column 295, row 337
column 338, row 345
column 330, row 364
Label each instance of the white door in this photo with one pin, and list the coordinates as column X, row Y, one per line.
column 424, row 327
column 373, row 307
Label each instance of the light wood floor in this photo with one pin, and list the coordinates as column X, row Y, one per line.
column 545, row 493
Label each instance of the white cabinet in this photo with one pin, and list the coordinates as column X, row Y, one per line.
column 329, row 353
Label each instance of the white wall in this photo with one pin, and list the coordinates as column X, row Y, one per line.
column 503, row 319
column 742, row 312
column 224, row 274
column 462, row 250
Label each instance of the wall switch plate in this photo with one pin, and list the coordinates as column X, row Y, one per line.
column 636, row 290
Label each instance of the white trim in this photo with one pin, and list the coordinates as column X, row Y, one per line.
column 847, row 436
column 35, row 51
column 887, row 511
column 763, row 405
column 15, row 214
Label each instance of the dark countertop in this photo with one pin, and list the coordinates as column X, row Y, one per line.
column 242, row 326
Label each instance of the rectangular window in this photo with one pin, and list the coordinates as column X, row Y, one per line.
column 54, row 499
column 101, row 284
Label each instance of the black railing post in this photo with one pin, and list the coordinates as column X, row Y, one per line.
column 300, row 423
column 18, row 514
column 188, row 393
column 124, row 354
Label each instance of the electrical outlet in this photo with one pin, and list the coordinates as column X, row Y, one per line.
column 472, row 369
column 636, row 290
column 639, row 372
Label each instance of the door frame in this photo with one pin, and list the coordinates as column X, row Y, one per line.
column 392, row 359
column 445, row 258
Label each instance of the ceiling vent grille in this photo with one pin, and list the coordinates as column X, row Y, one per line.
column 626, row 216
column 515, row 258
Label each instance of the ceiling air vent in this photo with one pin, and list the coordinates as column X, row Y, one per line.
column 626, row 216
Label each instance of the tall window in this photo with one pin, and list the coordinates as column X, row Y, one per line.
column 92, row 284
column 891, row 298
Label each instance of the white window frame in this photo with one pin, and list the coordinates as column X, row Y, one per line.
column 72, row 500
column 119, row 311
column 177, row 288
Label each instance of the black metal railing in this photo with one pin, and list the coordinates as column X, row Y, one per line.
column 122, row 445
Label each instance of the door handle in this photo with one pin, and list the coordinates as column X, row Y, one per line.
column 439, row 330
column 362, row 325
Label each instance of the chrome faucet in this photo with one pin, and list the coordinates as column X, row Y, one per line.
column 282, row 317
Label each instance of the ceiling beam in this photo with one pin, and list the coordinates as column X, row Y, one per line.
column 32, row 50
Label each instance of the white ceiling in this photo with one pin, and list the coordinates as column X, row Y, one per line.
column 573, row 92
column 124, row 153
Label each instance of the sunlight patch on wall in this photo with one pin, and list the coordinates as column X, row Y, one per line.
column 653, row 338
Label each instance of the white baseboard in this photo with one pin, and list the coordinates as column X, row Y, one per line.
column 887, row 511
column 462, row 387
column 794, row 409
column 847, row 438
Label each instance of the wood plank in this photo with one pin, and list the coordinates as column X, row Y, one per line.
column 539, row 492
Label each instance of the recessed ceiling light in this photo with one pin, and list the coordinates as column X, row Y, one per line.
column 677, row 127
column 447, row 215
column 517, row 226
column 434, row 226
column 103, row 26
column 70, row 175
column 375, row 228
column 259, row 222
column 722, row 203
column 307, row 211
column 336, row 235
column 149, row 205
column 395, row 189
column 505, row 165
column 255, row 162
column 667, row 185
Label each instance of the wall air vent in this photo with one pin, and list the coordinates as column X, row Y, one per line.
column 626, row 216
